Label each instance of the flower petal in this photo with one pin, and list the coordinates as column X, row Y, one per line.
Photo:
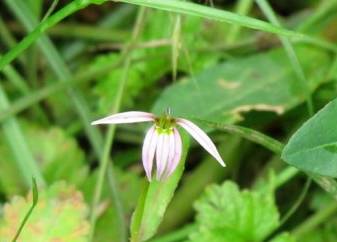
column 149, row 148
column 126, row 117
column 162, row 153
column 176, row 154
column 200, row 136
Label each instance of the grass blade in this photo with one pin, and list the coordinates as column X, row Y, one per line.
column 35, row 200
column 189, row 8
column 25, row 161
column 60, row 69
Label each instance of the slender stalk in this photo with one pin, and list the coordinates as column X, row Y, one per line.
column 328, row 184
column 315, row 220
column 176, row 44
column 104, row 163
column 297, row 203
column 35, row 194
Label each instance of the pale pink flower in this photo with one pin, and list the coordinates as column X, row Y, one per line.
column 162, row 141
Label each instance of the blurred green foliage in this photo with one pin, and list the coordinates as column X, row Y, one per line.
column 224, row 73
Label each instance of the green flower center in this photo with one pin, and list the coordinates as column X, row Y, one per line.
column 165, row 124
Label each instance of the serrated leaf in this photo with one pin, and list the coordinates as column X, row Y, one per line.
column 60, row 215
column 225, row 91
column 58, row 155
column 313, row 148
column 227, row 214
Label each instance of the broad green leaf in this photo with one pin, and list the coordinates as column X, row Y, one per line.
column 60, row 215
column 313, row 148
column 227, row 214
column 225, row 91
column 154, row 200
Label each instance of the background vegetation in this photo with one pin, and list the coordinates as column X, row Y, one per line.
column 259, row 76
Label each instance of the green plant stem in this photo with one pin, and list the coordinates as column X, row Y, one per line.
column 284, row 176
column 297, row 203
column 104, row 163
column 328, row 184
column 315, row 220
column 242, row 8
column 176, row 235
column 268, row 11
column 8, row 39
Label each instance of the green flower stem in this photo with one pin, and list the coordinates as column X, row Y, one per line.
column 315, row 220
column 181, row 207
column 268, row 11
column 104, row 163
column 154, row 200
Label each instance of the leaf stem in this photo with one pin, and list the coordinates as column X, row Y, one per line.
column 315, row 220
column 104, row 163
